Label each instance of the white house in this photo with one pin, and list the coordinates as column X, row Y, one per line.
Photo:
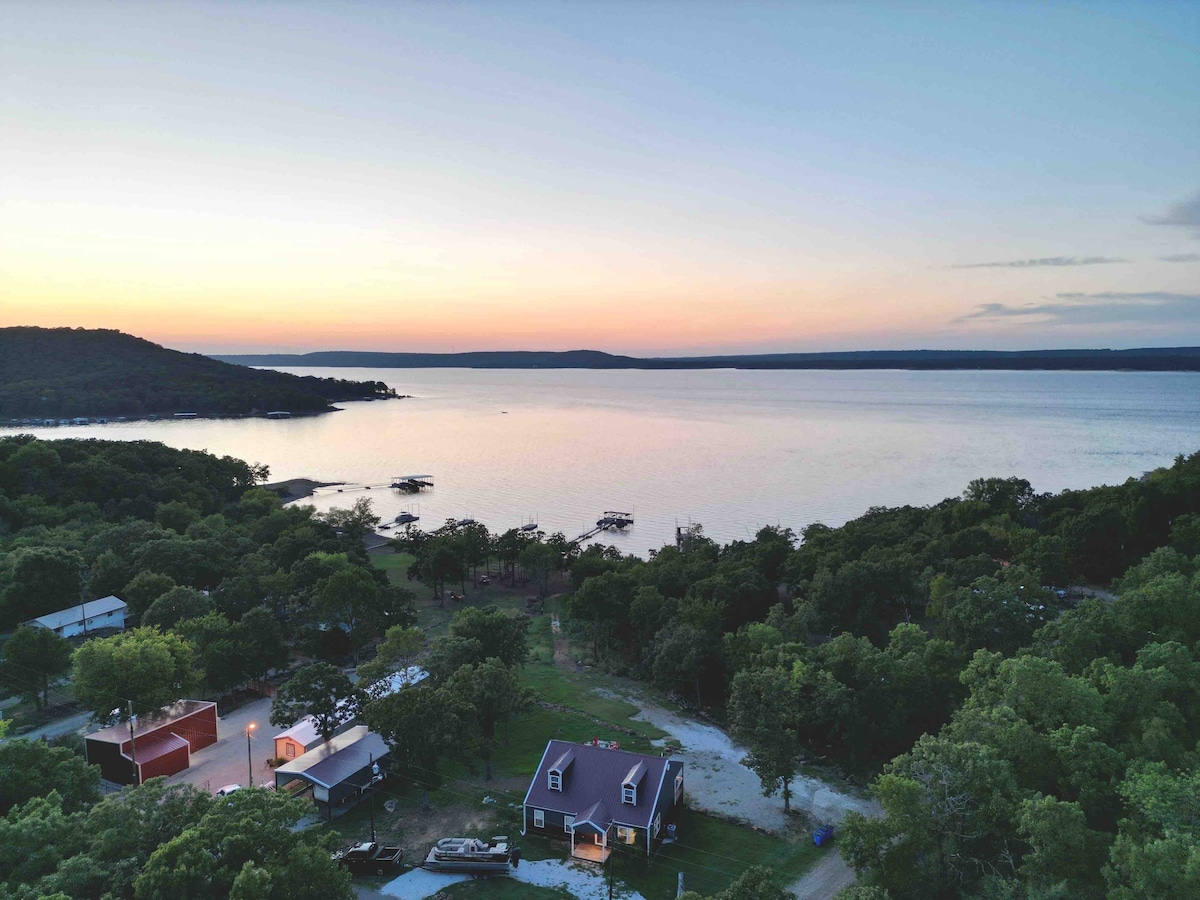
column 107, row 612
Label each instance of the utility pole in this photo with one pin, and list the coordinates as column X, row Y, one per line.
column 133, row 746
column 371, row 783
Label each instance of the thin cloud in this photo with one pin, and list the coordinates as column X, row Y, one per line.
column 1097, row 309
column 1185, row 214
column 1052, row 261
column 1180, row 257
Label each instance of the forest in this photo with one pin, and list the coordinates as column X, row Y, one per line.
column 69, row 372
column 1013, row 676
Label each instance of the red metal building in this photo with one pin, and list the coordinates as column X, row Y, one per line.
column 161, row 742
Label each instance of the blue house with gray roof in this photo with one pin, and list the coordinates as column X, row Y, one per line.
column 597, row 797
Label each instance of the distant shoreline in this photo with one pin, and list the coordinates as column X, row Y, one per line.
column 1149, row 359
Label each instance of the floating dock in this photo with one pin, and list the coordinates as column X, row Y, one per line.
column 610, row 521
column 412, row 484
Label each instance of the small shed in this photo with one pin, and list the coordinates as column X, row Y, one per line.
column 339, row 770
column 159, row 743
column 107, row 612
column 300, row 738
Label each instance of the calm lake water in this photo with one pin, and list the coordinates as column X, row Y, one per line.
column 733, row 450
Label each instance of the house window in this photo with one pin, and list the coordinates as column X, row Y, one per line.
column 568, row 824
column 289, row 750
column 678, row 787
column 629, row 794
column 656, row 825
column 626, row 835
column 555, row 781
column 539, row 818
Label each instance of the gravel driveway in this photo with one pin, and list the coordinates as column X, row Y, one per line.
column 717, row 781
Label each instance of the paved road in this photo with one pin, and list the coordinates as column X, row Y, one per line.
column 225, row 762
column 59, row 727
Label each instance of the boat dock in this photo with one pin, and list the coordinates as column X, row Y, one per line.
column 412, row 484
column 610, row 521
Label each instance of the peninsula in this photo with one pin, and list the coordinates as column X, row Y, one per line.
column 69, row 372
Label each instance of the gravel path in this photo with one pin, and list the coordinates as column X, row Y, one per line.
column 824, row 879
column 579, row 879
column 717, row 781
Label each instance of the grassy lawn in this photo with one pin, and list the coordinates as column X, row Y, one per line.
column 711, row 854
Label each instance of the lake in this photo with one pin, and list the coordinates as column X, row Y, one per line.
column 732, row 450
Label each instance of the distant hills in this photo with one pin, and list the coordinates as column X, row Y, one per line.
column 1149, row 359
column 69, row 372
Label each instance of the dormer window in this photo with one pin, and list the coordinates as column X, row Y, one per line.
column 629, row 785
column 556, row 772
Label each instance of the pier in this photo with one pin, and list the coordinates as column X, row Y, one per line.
column 412, row 484
column 611, row 521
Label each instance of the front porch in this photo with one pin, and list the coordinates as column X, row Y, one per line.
column 588, row 852
column 589, row 841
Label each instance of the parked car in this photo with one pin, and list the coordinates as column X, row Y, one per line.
column 228, row 789
column 369, row 858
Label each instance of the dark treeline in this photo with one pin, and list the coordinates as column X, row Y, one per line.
column 1149, row 359
column 221, row 580
column 213, row 566
column 68, row 372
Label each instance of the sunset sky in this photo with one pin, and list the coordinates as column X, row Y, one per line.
column 649, row 178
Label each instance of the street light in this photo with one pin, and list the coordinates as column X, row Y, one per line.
column 249, row 760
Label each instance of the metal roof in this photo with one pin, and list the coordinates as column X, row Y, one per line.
column 591, row 786
column 339, row 758
column 304, row 732
column 119, row 734
column 75, row 614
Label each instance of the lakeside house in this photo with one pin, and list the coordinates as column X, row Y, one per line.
column 599, row 796
column 107, row 612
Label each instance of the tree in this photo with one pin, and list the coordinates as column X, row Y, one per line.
column 318, row 690
column 260, row 642
column 438, row 562
column 242, row 845
column 425, row 726
column 764, row 711
column 143, row 665
column 495, row 693
column 34, row 659
column 349, row 597
column 143, row 589
column 755, row 883
column 540, row 559
column 499, row 634
column 31, row 769
column 40, row 580
column 175, row 605
column 395, row 653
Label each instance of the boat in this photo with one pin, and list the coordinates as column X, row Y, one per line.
column 406, row 517
column 460, row 854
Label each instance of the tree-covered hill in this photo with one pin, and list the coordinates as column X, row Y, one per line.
column 68, row 372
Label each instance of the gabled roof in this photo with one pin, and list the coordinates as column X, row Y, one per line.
column 336, row 760
column 592, row 786
column 304, row 732
column 75, row 614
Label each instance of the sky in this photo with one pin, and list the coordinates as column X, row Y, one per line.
column 652, row 178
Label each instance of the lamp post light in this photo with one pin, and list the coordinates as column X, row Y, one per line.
column 249, row 759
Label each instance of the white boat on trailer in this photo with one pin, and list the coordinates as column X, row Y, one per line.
column 459, row 854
